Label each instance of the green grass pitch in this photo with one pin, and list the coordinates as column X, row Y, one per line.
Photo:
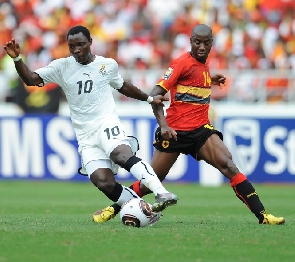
column 51, row 221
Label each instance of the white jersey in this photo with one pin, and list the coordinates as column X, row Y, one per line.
column 88, row 89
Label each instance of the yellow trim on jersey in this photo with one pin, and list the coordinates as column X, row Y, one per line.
column 196, row 91
column 161, row 85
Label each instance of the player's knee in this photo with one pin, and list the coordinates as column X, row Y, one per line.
column 228, row 168
column 224, row 162
column 103, row 183
column 229, row 155
column 121, row 154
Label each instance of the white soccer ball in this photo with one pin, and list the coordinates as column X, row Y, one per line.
column 136, row 213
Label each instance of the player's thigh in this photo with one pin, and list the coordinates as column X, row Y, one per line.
column 215, row 152
column 100, row 173
column 162, row 163
column 121, row 154
column 94, row 158
column 111, row 134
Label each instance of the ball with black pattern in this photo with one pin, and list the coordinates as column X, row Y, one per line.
column 135, row 213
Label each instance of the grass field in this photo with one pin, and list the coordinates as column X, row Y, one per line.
column 51, row 221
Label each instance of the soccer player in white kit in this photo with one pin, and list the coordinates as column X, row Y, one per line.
column 87, row 81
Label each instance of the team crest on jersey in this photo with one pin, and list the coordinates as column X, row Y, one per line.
column 165, row 143
column 168, row 73
column 103, row 70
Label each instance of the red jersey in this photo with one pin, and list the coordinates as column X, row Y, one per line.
column 189, row 83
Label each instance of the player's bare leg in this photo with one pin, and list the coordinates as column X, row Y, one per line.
column 141, row 190
column 215, row 153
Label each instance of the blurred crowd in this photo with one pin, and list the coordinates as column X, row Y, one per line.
column 147, row 34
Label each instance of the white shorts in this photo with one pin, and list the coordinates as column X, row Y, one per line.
column 101, row 143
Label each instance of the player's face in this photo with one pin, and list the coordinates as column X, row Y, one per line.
column 201, row 46
column 79, row 47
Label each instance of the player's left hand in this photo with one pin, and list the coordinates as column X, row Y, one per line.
column 218, row 80
column 158, row 100
column 12, row 48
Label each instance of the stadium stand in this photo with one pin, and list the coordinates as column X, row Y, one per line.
column 254, row 40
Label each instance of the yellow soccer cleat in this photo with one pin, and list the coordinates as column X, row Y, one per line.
column 272, row 220
column 104, row 215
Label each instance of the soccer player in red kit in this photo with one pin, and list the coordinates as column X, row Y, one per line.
column 186, row 128
column 189, row 83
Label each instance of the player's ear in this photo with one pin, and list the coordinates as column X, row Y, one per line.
column 90, row 40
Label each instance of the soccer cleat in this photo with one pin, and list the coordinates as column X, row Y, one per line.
column 272, row 220
column 155, row 218
column 104, row 215
column 164, row 200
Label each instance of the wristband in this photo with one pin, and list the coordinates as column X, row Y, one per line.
column 17, row 58
column 150, row 99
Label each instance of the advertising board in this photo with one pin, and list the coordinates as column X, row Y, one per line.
column 261, row 140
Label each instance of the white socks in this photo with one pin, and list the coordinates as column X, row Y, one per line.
column 144, row 172
column 127, row 193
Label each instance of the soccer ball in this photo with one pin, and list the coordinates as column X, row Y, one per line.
column 136, row 213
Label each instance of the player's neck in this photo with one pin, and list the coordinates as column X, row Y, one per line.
column 89, row 60
column 200, row 61
column 92, row 58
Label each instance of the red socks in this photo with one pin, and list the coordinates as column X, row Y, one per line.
column 247, row 194
column 237, row 179
column 136, row 188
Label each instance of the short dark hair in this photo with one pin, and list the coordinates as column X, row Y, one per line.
column 201, row 27
column 79, row 29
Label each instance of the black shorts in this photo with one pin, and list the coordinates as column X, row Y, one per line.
column 188, row 142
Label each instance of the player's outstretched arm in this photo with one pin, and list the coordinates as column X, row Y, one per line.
column 166, row 131
column 128, row 89
column 30, row 78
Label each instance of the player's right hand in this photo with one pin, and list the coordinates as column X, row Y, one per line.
column 218, row 80
column 12, row 48
column 158, row 100
column 168, row 133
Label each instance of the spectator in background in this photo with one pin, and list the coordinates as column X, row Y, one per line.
column 125, row 20
column 32, row 99
column 130, row 32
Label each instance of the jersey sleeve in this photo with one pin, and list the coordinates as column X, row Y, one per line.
column 169, row 79
column 50, row 73
column 116, row 80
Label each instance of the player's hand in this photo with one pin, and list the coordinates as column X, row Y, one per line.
column 12, row 48
column 168, row 133
column 218, row 80
column 158, row 100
